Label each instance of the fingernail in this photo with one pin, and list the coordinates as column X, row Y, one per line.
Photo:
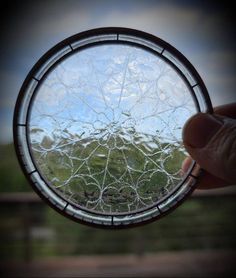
column 199, row 129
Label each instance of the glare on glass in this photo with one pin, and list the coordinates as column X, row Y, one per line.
column 98, row 127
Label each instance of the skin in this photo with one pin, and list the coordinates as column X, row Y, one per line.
column 211, row 178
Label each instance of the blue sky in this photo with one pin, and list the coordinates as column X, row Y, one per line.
column 109, row 86
column 201, row 31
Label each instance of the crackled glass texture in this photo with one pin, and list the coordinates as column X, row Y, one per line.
column 105, row 128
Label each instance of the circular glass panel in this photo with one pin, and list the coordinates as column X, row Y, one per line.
column 98, row 126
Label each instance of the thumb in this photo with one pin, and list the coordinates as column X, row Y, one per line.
column 211, row 141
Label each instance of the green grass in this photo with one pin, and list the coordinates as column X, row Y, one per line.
column 130, row 167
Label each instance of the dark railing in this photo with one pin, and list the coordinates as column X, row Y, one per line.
column 179, row 230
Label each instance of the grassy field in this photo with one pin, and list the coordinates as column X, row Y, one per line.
column 128, row 174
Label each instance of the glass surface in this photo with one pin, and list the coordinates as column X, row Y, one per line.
column 105, row 128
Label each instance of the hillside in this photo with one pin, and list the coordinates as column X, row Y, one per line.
column 112, row 174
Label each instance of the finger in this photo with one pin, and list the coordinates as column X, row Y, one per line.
column 186, row 164
column 228, row 110
column 209, row 180
column 210, row 140
column 206, row 181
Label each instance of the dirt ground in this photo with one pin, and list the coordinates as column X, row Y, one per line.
column 174, row 264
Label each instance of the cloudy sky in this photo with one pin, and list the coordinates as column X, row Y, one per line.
column 201, row 30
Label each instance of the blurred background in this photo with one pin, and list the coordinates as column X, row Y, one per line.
column 196, row 240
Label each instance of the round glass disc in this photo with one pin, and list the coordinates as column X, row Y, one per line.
column 98, row 126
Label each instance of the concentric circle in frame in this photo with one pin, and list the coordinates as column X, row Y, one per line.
column 98, row 122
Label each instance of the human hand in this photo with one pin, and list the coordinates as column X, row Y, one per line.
column 211, row 142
